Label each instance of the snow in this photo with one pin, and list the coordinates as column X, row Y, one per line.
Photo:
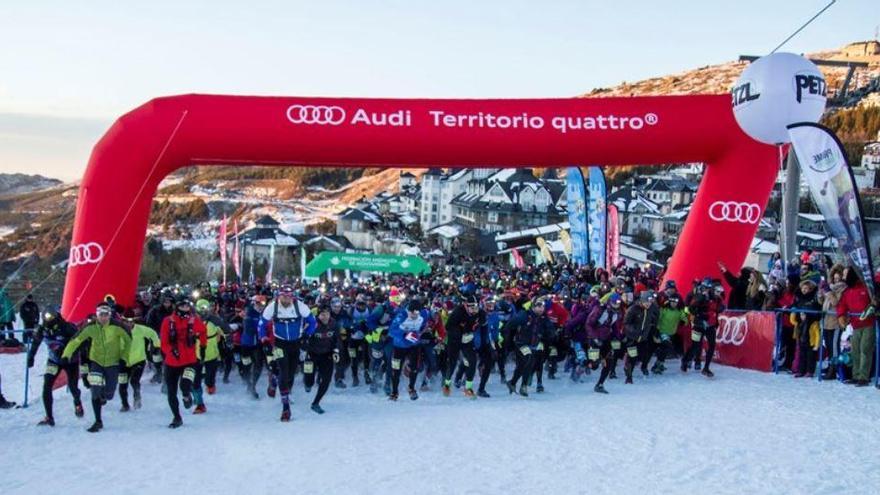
column 743, row 432
column 5, row 230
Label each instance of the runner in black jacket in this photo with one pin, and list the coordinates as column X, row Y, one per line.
column 56, row 333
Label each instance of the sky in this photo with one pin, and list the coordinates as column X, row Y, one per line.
column 68, row 69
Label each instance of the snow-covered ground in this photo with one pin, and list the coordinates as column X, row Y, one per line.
column 743, row 432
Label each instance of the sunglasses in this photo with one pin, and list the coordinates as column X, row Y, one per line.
column 103, row 313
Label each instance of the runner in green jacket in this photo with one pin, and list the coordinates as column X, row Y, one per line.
column 136, row 360
column 108, row 348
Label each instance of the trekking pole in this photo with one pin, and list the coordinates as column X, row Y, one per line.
column 27, row 374
column 776, row 344
column 876, row 354
column 821, row 348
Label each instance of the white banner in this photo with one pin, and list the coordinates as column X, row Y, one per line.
column 823, row 165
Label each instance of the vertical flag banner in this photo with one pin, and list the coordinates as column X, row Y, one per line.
column 236, row 261
column 576, row 198
column 271, row 264
column 222, row 244
column 597, row 216
column 517, row 258
column 613, row 237
column 833, row 189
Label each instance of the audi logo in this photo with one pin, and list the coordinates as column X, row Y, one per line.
column 83, row 254
column 732, row 330
column 732, row 211
column 315, row 114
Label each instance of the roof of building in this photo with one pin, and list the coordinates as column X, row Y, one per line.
column 360, row 214
column 266, row 221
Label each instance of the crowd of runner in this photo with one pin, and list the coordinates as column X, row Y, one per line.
column 455, row 330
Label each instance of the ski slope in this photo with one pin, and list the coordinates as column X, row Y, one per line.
column 742, row 432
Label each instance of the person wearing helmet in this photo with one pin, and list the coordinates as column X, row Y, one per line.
column 604, row 326
column 406, row 331
column 322, row 347
column 526, row 328
column 136, row 360
column 155, row 317
column 216, row 331
column 672, row 317
column 705, row 306
column 290, row 320
column 465, row 320
column 109, row 344
column 341, row 317
column 181, row 335
column 361, row 325
column 252, row 354
column 639, row 326
column 56, row 333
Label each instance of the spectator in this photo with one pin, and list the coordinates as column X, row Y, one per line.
column 30, row 315
column 738, row 286
column 829, row 298
column 7, row 319
column 855, row 300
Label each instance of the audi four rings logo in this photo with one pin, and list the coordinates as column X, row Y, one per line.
column 83, row 254
column 732, row 211
column 315, row 114
column 732, row 330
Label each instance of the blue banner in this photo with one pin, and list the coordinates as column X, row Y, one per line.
column 576, row 197
column 598, row 216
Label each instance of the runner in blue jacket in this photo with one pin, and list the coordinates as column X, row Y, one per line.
column 406, row 330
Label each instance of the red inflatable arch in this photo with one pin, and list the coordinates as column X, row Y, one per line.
column 148, row 143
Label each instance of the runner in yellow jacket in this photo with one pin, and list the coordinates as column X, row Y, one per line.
column 136, row 360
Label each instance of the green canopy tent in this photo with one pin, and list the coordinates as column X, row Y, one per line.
column 356, row 262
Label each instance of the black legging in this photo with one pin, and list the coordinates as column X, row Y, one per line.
column 524, row 365
column 322, row 371
column 468, row 368
column 252, row 358
column 131, row 375
column 52, row 372
column 211, row 368
column 456, row 348
column 487, row 360
column 605, row 357
column 286, row 363
column 361, row 355
column 538, row 364
column 183, row 377
column 400, row 356
column 697, row 346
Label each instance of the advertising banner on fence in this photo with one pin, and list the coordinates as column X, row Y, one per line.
column 576, row 198
column 746, row 340
column 597, row 216
column 833, row 189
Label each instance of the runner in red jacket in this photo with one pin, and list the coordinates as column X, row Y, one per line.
column 181, row 332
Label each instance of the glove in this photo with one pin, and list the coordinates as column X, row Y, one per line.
column 30, row 362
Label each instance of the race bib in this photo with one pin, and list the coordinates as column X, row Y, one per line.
column 467, row 338
column 696, row 336
column 51, row 369
column 278, row 353
column 123, row 378
column 308, row 367
column 593, row 354
column 352, row 352
column 524, row 350
column 83, row 369
column 632, row 351
column 540, row 346
column 96, row 379
column 189, row 374
column 554, row 351
column 395, row 364
column 377, row 353
column 615, row 344
column 246, row 360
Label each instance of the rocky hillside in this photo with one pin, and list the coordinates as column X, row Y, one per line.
column 22, row 183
